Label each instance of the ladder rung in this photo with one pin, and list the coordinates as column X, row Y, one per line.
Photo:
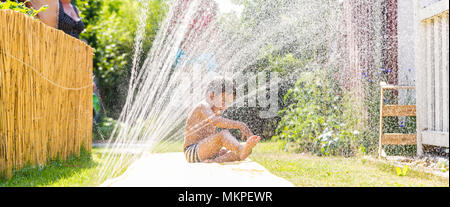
column 399, row 139
column 392, row 87
column 399, row 110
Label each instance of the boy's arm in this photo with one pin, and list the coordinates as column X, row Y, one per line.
column 226, row 123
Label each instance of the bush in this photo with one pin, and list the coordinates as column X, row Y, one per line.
column 111, row 30
column 104, row 129
column 371, row 123
column 315, row 121
column 286, row 65
column 21, row 7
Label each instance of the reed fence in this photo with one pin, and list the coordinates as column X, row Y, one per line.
column 45, row 93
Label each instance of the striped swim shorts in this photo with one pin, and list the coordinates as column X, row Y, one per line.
column 191, row 153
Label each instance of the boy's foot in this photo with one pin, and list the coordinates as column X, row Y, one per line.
column 247, row 150
column 208, row 161
column 223, row 151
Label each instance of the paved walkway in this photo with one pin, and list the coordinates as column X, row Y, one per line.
column 172, row 170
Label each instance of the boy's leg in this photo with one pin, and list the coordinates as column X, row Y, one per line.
column 222, row 151
column 209, row 147
column 233, row 156
column 247, row 150
column 227, row 157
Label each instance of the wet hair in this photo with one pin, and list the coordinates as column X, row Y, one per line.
column 221, row 85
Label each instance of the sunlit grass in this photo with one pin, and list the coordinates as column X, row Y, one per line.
column 169, row 146
column 308, row 170
column 300, row 169
column 74, row 172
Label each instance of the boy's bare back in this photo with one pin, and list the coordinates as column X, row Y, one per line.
column 201, row 141
column 197, row 125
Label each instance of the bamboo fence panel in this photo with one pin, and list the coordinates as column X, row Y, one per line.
column 45, row 93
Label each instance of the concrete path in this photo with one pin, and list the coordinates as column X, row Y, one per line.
column 172, row 170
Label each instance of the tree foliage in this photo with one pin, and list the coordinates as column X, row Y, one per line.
column 292, row 39
column 111, row 29
column 21, row 7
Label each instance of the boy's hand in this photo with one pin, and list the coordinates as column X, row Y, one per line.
column 245, row 131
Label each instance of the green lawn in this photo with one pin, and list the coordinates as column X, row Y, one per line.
column 301, row 170
column 307, row 170
column 75, row 172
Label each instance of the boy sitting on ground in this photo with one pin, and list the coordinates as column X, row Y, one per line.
column 201, row 142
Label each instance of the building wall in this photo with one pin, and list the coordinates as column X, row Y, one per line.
column 380, row 35
column 406, row 70
column 425, row 3
column 369, row 41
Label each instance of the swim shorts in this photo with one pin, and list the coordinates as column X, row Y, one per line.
column 191, row 153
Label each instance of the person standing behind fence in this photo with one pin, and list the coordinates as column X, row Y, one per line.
column 69, row 19
column 61, row 14
column 50, row 15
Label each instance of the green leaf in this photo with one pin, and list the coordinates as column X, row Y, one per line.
column 405, row 170
column 399, row 171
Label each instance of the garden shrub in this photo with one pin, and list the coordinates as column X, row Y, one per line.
column 111, row 30
column 21, row 7
column 281, row 64
column 285, row 50
column 315, row 120
column 371, row 123
column 104, row 129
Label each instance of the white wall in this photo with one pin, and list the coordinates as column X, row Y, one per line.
column 406, row 73
column 425, row 3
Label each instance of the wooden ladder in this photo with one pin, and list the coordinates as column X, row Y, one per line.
column 395, row 110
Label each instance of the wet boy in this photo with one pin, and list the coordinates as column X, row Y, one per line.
column 201, row 142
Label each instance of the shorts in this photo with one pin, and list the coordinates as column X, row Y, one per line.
column 191, row 153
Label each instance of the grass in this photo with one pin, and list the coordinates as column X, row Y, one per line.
column 300, row 169
column 74, row 172
column 308, row 170
column 170, row 146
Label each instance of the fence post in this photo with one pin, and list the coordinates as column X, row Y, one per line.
column 380, row 144
column 421, row 75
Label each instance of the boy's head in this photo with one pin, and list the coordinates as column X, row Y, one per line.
column 221, row 92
